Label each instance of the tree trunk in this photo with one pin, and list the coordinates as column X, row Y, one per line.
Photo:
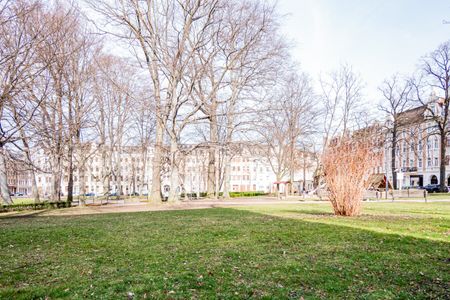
column 156, row 167
column 278, row 189
column 304, row 173
column 291, row 183
column 174, row 176
column 106, row 167
column 70, row 181
column 393, row 149
column 4, row 190
column 212, row 155
column 34, row 188
column 442, row 163
column 82, row 184
column 56, row 180
column 143, row 171
column 226, row 175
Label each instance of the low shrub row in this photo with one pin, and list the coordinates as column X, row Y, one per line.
column 247, row 194
column 34, row 206
column 232, row 194
column 192, row 195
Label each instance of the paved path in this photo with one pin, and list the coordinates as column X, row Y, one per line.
column 193, row 204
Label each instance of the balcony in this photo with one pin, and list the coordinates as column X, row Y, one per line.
column 409, row 169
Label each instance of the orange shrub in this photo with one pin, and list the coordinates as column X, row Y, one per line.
column 347, row 164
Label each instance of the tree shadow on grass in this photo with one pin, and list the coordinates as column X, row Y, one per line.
column 312, row 212
column 23, row 214
column 362, row 216
column 216, row 253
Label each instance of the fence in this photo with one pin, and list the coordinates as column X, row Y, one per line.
column 396, row 194
column 380, row 195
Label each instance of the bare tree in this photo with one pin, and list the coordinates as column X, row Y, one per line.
column 289, row 120
column 21, row 33
column 165, row 35
column 341, row 98
column 435, row 75
column 143, row 119
column 115, row 97
column 396, row 93
column 67, row 54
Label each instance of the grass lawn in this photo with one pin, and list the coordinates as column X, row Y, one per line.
column 399, row 250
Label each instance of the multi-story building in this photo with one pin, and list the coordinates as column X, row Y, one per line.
column 128, row 170
column 417, row 153
column 18, row 177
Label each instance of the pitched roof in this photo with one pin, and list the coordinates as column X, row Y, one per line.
column 412, row 116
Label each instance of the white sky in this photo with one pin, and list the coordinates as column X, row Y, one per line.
column 377, row 37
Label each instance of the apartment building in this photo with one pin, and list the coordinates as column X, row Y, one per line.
column 417, row 154
column 18, row 177
column 128, row 171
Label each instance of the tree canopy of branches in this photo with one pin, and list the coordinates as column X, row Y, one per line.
column 200, row 55
column 287, row 124
column 22, row 32
column 396, row 93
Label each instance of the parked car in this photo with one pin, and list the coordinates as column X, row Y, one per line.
column 91, row 194
column 18, row 194
column 134, row 194
column 435, row 188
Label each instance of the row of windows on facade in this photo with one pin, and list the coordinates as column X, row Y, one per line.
column 412, row 146
column 247, row 169
column 231, row 177
column 245, row 177
column 98, row 189
column 430, row 162
column 93, row 178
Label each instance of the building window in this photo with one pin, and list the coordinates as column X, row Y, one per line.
column 420, row 162
column 429, row 162
column 436, row 144
column 436, row 161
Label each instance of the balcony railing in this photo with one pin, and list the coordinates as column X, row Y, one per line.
column 409, row 169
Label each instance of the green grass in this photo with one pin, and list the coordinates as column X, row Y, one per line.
column 395, row 250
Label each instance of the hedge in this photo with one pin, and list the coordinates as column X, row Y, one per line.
column 247, row 194
column 232, row 194
column 34, row 206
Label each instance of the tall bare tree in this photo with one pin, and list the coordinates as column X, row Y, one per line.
column 22, row 31
column 396, row 94
column 165, row 35
column 341, row 99
column 114, row 94
column 289, row 121
column 68, row 54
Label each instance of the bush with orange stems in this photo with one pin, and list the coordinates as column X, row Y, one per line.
column 347, row 164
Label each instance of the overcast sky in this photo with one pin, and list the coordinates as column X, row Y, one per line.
column 377, row 37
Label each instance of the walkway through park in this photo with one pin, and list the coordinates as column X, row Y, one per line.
column 192, row 204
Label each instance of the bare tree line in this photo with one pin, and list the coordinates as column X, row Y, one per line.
column 207, row 74
column 59, row 93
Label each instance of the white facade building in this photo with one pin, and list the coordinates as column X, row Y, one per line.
column 129, row 172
